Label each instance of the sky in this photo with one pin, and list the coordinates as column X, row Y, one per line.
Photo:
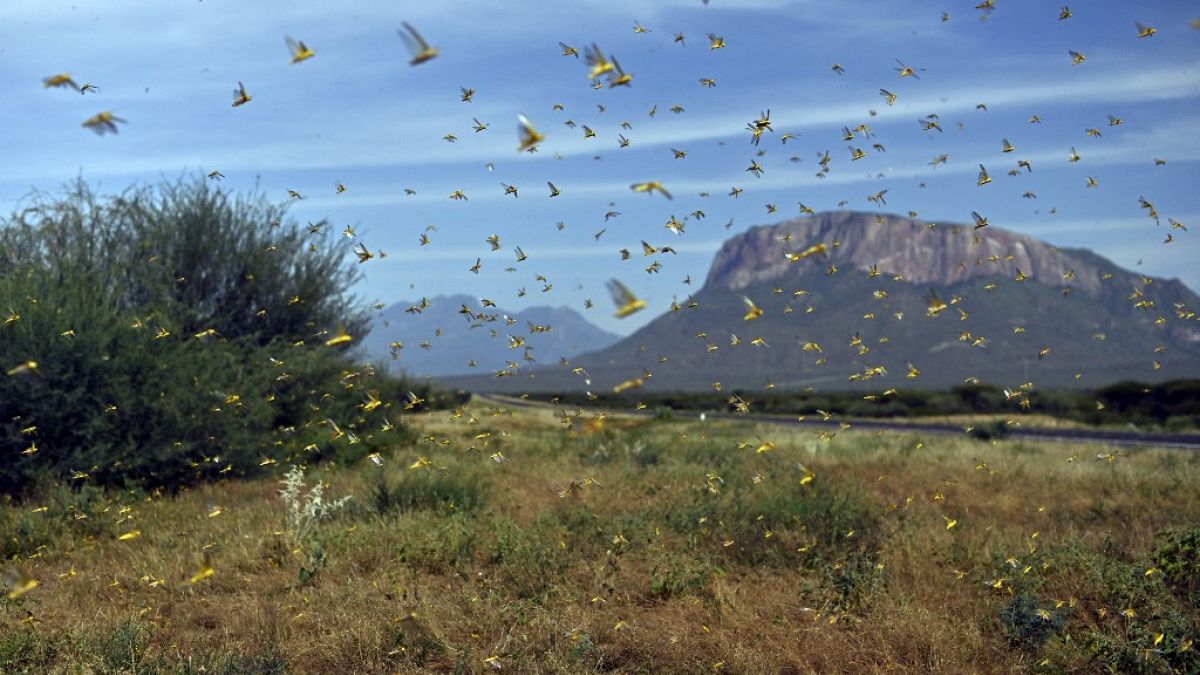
column 359, row 114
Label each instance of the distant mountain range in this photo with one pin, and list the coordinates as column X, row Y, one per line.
column 896, row 302
column 456, row 335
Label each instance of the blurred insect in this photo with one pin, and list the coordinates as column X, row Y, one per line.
column 206, row 570
column 633, row 383
column 627, row 303
column 62, row 80
column 341, row 337
column 753, row 311
column 598, row 61
column 103, row 123
column 18, row 582
column 417, row 46
column 300, row 51
column 651, row 187
column 241, row 96
column 529, row 136
column 908, row 71
column 619, row 77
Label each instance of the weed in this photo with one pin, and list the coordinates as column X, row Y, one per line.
column 25, row 651
column 531, row 564
column 228, row 664
column 675, row 575
column 856, row 580
column 1028, row 624
column 304, row 514
column 123, row 648
column 1178, row 557
column 436, row 544
column 460, row 490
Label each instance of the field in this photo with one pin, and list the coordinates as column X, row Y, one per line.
column 522, row 541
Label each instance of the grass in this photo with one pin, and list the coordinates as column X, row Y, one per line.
column 633, row 546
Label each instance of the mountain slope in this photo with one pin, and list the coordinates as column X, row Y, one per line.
column 443, row 340
column 865, row 304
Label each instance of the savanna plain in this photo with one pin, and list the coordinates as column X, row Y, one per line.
column 553, row 540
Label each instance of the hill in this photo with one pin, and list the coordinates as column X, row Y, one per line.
column 451, row 332
column 891, row 297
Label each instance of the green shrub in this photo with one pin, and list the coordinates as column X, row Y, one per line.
column 855, row 580
column 1028, row 624
column 231, row 663
column 1182, row 423
column 458, row 490
column 123, row 648
column 1178, row 557
column 989, row 431
column 828, row 522
column 436, row 543
column 530, row 561
column 25, row 651
column 178, row 334
column 675, row 575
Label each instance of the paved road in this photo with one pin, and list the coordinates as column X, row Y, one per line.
column 1093, row 436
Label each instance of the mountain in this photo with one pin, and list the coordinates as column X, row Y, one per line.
column 1015, row 310
column 442, row 339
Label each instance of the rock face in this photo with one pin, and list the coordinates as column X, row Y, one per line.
column 919, row 251
column 1015, row 310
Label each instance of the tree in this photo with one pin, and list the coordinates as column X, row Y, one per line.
column 174, row 333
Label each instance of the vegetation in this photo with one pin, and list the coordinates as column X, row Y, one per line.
column 173, row 334
column 1173, row 405
column 493, row 536
column 160, row 343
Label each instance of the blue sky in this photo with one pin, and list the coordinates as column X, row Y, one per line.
column 359, row 114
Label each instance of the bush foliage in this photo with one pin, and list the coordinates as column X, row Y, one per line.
column 179, row 333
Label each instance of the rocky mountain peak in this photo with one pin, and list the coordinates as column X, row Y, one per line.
column 921, row 252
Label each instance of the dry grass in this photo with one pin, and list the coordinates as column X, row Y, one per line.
column 649, row 571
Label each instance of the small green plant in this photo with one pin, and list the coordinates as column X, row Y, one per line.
column 231, row 663
column 439, row 490
column 416, row 647
column 1178, row 557
column 437, row 543
column 584, row 646
column 855, row 580
column 1029, row 625
column 530, row 562
column 25, row 651
column 674, row 576
column 123, row 648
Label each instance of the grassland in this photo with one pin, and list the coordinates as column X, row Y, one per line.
column 637, row 546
